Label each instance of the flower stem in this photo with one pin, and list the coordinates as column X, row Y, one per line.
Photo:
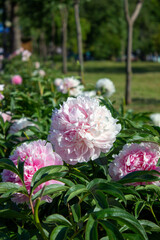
column 151, row 209
column 37, row 221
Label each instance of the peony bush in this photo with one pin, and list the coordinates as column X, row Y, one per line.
column 71, row 165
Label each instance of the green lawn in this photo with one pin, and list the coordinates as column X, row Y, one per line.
column 145, row 82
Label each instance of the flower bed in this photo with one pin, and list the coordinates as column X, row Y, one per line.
column 72, row 166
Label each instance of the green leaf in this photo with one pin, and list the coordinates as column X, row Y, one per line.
column 103, row 185
column 58, row 219
column 131, row 236
column 47, row 173
column 122, row 216
column 42, row 172
column 76, row 212
column 111, row 230
column 59, row 233
column 91, row 229
column 138, row 208
column 6, row 163
column 74, row 191
column 8, row 188
column 23, row 234
column 54, row 176
column 100, row 198
column 21, row 169
column 49, row 190
column 9, row 214
column 141, row 176
column 149, row 226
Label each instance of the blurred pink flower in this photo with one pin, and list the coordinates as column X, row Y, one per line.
column 19, row 51
column 58, row 81
column 36, row 155
column 135, row 157
column 42, row 73
column 26, row 55
column 6, row 116
column 69, row 85
column 81, row 129
column 17, row 80
column 37, row 65
column 1, row 96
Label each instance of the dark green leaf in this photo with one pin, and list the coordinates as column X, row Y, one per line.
column 141, row 176
column 111, row 230
column 122, row 216
column 59, row 233
column 7, row 213
column 74, row 191
column 91, row 229
column 100, row 199
column 76, row 212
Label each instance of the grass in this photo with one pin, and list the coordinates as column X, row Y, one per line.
column 145, row 85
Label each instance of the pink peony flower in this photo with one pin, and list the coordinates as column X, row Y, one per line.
column 135, row 157
column 17, row 80
column 81, row 129
column 1, row 96
column 69, row 85
column 19, row 51
column 36, row 155
column 26, row 55
column 5, row 116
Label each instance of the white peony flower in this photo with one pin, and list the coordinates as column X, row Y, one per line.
column 106, row 86
column 155, row 117
column 1, row 87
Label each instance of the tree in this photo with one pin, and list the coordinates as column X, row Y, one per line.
column 64, row 16
column 130, row 21
column 79, row 37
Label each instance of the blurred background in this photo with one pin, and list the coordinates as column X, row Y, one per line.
column 91, row 38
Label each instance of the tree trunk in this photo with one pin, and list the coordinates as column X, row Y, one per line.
column 130, row 22
column 15, row 31
column 64, row 15
column 128, row 64
column 43, row 48
column 79, row 38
